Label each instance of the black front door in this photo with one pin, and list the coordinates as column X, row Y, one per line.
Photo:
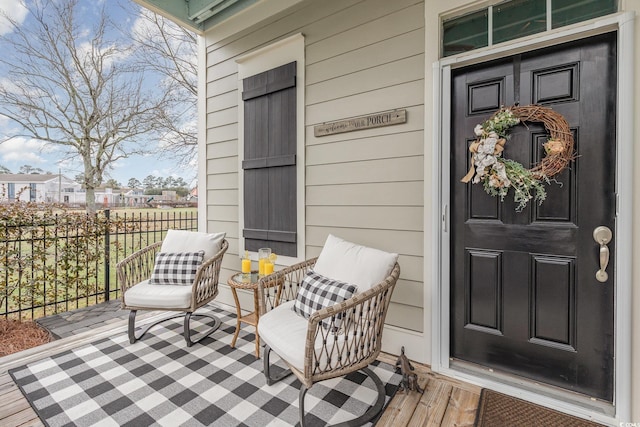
column 524, row 296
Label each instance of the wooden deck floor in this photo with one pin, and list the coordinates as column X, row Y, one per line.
column 445, row 402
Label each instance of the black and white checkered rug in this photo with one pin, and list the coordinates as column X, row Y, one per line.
column 160, row 381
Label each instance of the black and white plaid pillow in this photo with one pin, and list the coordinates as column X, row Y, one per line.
column 176, row 268
column 317, row 292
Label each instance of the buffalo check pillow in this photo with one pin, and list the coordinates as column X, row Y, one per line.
column 176, row 268
column 317, row 292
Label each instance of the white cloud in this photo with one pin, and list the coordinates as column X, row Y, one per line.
column 13, row 9
column 23, row 150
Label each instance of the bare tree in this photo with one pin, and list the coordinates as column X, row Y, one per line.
column 77, row 88
column 171, row 51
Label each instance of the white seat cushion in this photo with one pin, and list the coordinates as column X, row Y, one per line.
column 192, row 241
column 356, row 264
column 158, row 296
column 286, row 333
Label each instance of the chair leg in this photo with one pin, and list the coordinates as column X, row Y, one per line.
column 133, row 337
column 202, row 335
column 267, row 368
column 132, row 326
column 362, row 419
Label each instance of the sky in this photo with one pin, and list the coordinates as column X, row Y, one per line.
column 20, row 151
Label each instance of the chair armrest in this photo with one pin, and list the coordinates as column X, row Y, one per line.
column 363, row 317
column 137, row 267
column 282, row 285
column 205, row 284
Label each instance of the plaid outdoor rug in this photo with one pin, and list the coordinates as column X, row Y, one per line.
column 160, row 381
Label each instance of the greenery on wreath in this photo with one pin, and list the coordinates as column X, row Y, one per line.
column 498, row 174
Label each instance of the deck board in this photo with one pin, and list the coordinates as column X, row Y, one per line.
column 461, row 410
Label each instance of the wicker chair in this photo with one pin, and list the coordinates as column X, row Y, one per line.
column 137, row 294
column 313, row 352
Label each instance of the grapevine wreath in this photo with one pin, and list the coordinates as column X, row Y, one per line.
column 498, row 174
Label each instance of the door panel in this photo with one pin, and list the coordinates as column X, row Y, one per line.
column 524, row 298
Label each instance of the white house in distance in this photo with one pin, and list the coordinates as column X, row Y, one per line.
column 374, row 104
column 40, row 188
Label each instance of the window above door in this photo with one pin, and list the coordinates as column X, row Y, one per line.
column 513, row 19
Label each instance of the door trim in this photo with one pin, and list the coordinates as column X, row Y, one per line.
column 620, row 410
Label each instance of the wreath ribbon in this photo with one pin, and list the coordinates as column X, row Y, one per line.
column 473, row 148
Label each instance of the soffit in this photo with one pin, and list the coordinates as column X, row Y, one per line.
column 197, row 14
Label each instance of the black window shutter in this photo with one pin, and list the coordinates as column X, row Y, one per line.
column 269, row 164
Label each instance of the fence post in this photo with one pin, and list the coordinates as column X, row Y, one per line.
column 107, row 255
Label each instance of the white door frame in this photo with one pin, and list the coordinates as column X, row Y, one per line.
column 620, row 411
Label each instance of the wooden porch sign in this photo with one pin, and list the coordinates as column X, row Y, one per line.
column 386, row 118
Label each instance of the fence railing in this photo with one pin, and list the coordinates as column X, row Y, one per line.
column 58, row 264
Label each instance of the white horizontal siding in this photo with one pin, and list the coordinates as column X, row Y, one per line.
column 223, row 84
column 362, row 57
column 385, row 75
column 380, row 146
column 222, row 149
column 380, row 170
column 385, row 51
column 218, row 181
column 387, row 98
column 274, row 28
column 405, row 316
column 222, row 117
column 368, row 194
column 223, row 197
column 222, row 133
column 379, row 217
column 223, row 165
column 228, row 227
column 222, row 213
column 406, row 243
column 383, row 27
column 222, row 102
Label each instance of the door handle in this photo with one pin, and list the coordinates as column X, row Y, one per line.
column 602, row 236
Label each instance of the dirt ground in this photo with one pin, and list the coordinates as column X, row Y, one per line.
column 17, row 336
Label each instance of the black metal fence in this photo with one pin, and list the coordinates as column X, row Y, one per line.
column 60, row 264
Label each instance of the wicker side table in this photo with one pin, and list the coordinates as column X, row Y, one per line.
column 239, row 281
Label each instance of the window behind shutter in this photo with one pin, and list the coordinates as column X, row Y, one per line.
column 269, row 163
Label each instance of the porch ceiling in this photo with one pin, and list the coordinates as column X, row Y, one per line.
column 197, row 14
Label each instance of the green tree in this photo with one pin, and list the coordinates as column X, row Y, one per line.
column 180, row 182
column 112, row 183
column 28, row 169
column 134, row 183
column 150, row 182
column 4, row 169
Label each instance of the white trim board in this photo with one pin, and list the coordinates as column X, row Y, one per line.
column 202, row 135
column 621, row 410
column 266, row 58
